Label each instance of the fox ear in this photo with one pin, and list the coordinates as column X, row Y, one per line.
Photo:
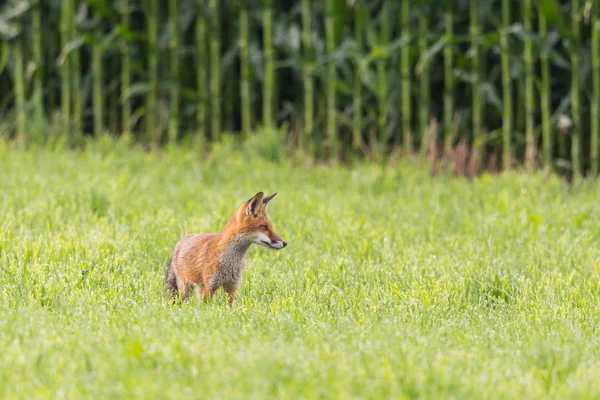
column 253, row 205
column 267, row 199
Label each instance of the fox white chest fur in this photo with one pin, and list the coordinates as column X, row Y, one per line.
column 231, row 264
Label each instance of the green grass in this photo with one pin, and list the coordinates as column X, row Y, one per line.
column 393, row 285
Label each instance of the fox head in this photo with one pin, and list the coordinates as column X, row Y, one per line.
column 254, row 225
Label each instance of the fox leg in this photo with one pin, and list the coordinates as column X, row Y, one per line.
column 207, row 292
column 230, row 295
column 184, row 289
column 199, row 289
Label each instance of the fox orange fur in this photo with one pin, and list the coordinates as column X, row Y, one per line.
column 208, row 261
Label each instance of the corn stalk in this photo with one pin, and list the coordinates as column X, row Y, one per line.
column 475, row 32
column 382, row 78
column 174, row 64
column 424, row 84
column 38, row 57
column 545, row 92
column 405, row 69
column 19, row 87
column 331, row 79
column 506, row 86
column 66, row 75
column 595, row 113
column 125, row 73
column 307, row 69
column 215, row 61
column 152, row 98
column 575, row 97
column 269, row 83
column 201, row 73
column 75, row 58
column 98, row 98
column 530, row 150
column 245, row 70
column 448, row 73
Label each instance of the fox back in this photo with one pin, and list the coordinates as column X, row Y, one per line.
column 208, row 261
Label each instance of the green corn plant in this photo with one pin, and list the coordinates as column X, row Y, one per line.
column 215, row 81
column 575, row 97
column 424, row 84
column 113, row 97
column 201, row 73
column 231, row 35
column 506, row 86
column 75, row 59
column 66, row 75
column 38, row 57
column 98, row 97
column 152, row 10
column 19, row 78
column 475, row 32
column 359, row 8
column 545, row 92
column 269, row 82
column 382, row 78
column 174, row 64
column 125, row 72
column 406, row 86
column 448, row 73
column 307, row 70
column 595, row 102
column 530, row 148
column 331, row 78
column 245, row 70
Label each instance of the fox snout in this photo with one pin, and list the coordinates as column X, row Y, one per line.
column 276, row 244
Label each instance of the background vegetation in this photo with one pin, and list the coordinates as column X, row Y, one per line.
column 511, row 81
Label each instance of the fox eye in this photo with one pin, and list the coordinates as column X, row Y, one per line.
column 264, row 228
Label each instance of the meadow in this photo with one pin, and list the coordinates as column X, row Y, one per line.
column 393, row 284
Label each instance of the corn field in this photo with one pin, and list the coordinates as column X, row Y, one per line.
column 517, row 82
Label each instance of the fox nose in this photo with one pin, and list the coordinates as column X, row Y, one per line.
column 284, row 243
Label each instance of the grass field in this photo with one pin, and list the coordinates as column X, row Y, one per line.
column 393, row 285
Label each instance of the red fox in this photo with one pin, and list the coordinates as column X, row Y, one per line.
column 207, row 261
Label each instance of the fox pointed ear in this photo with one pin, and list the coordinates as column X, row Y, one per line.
column 253, row 205
column 267, row 199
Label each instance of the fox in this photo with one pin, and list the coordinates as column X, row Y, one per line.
column 209, row 261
